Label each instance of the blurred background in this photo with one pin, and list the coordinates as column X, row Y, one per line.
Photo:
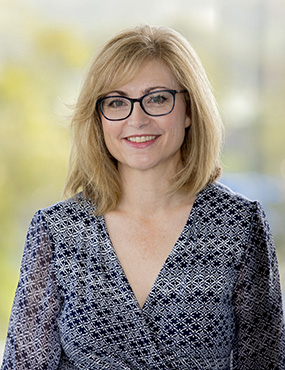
column 45, row 48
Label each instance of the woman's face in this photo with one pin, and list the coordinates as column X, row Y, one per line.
column 142, row 142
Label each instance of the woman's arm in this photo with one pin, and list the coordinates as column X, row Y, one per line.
column 33, row 338
column 260, row 339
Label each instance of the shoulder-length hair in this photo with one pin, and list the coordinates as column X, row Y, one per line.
column 92, row 169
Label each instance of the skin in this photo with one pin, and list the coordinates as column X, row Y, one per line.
column 169, row 130
column 139, row 226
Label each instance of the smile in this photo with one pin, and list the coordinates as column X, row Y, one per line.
column 140, row 139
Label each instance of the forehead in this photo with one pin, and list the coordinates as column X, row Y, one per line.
column 151, row 73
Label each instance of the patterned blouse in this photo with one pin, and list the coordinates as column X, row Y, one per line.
column 215, row 305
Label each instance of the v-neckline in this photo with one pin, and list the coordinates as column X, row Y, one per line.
column 172, row 251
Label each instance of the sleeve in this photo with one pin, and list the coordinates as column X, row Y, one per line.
column 33, row 339
column 260, row 343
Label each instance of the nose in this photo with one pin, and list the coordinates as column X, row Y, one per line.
column 138, row 118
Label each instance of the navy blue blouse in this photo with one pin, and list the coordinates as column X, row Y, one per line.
column 215, row 305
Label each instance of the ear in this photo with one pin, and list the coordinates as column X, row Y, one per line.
column 187, row 121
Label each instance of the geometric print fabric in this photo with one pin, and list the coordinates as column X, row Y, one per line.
column 215, row 305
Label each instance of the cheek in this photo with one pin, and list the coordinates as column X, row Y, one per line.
column 111, row 135
column 178, row 126
column 110, row 131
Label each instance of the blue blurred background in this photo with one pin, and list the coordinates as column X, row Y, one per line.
column 44, row 50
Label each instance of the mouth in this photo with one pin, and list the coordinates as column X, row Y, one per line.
column 141, row 139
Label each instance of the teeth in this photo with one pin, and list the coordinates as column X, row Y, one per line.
column 140, row 139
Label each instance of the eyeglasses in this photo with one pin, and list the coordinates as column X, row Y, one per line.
column 157, row 103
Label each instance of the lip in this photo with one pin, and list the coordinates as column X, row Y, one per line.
column 141, row 141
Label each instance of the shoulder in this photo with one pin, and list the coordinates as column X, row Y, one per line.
column 217, row 192
column 74, row 212
column 219, row 200
column 232, row 216
column 76, row 205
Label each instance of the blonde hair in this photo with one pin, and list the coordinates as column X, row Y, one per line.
column 92, row 169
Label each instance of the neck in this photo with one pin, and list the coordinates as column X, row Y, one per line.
column 147, row 192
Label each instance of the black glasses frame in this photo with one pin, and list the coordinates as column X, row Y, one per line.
column 139, row 100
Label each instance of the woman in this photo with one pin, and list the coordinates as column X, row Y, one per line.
column 153, row 264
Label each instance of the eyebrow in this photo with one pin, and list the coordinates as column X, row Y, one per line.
column 146, row 91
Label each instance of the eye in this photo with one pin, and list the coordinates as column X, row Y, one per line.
column 157, row 99
column 115, row 103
